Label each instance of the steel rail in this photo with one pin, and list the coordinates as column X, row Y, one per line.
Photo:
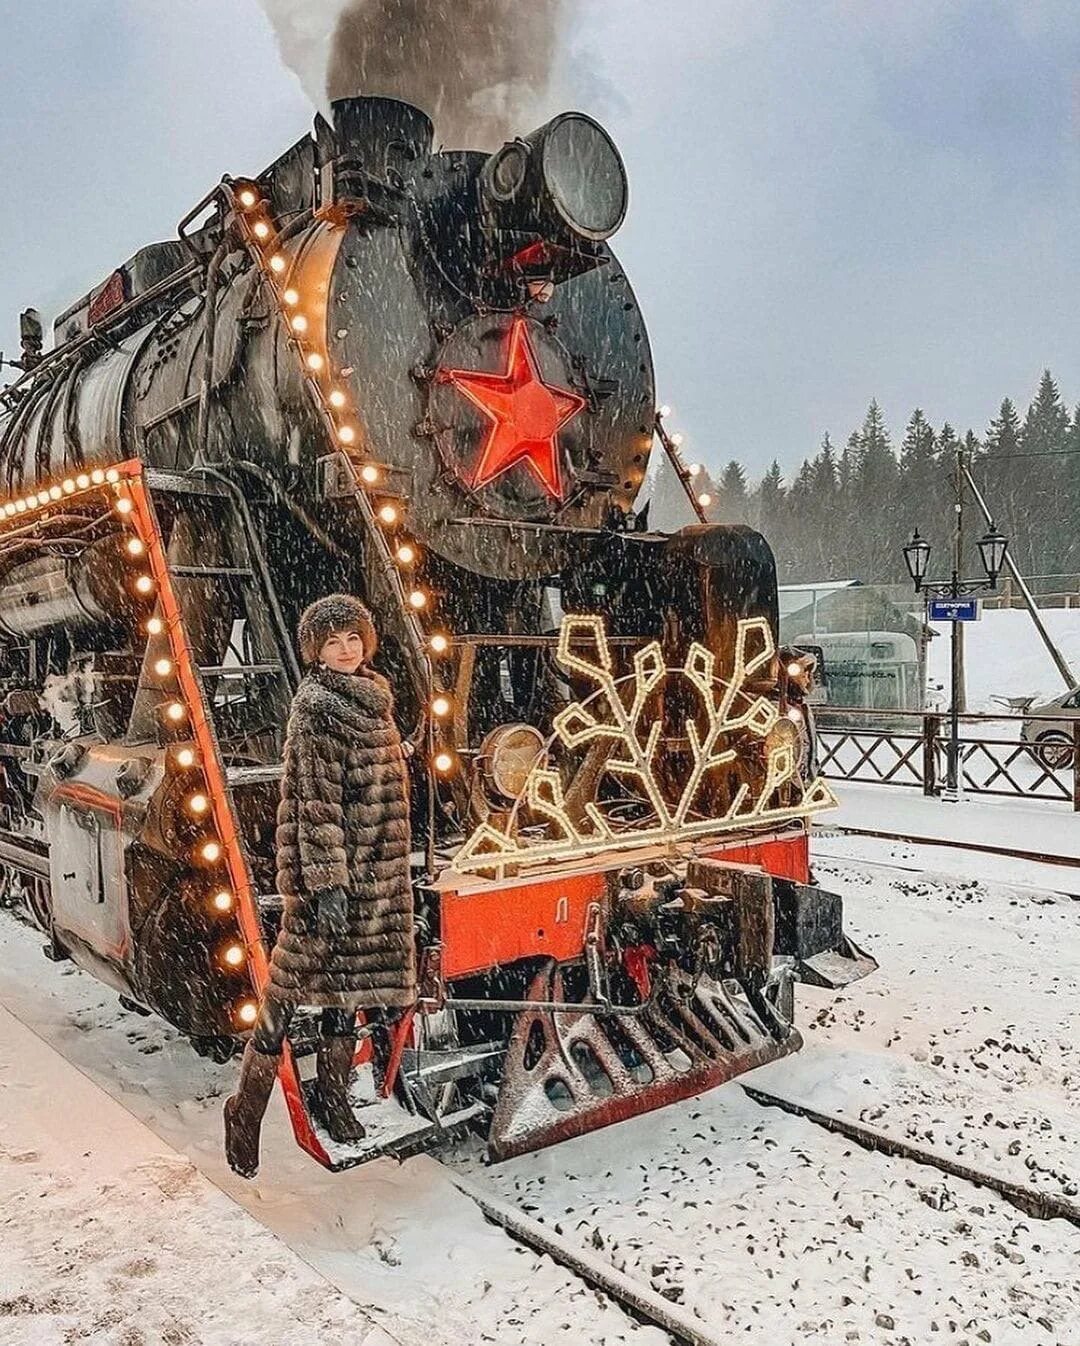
column 1038, row 1205
column 640, row 1301
column 979, row 847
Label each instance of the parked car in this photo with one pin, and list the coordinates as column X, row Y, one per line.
column 1049, row 725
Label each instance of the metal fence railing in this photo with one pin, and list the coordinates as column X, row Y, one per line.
column 908, row 748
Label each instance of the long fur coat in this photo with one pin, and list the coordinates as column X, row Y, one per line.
column 343, row 822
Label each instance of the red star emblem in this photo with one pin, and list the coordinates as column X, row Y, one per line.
column 526, row 415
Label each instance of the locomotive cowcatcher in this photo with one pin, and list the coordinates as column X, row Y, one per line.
column 422, row 377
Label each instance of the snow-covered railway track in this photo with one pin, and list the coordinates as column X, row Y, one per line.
column 975, row 847
column 1039, row 1205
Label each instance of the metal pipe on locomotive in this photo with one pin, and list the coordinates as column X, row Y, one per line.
column 421, row 376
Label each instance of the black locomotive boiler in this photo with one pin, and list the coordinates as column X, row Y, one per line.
column 422, row 376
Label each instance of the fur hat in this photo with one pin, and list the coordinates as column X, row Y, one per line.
column 335, row 612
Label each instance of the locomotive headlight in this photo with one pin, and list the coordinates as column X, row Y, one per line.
column 567, row 177
column 505, row 759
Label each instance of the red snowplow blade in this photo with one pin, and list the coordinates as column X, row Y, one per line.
column 570, row 1072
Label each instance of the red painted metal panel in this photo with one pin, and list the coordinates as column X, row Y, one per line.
column 782, row 857
column 545, row 919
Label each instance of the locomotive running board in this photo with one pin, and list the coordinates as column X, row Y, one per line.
column 573, row 1072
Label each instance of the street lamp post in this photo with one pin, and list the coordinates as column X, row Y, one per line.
column 992, row 547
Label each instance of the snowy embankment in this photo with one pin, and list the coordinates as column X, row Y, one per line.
column 1004, row 655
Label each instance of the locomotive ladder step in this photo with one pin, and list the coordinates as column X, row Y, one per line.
column 179, row 483
column 435, row 1067
column 254, row 775
column 241, row 670
column 212, row 572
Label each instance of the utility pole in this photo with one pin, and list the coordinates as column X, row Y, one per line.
column 958, row 696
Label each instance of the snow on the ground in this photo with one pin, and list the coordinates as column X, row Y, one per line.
column 105, row 1231
column 398, row 1240
column 1004, row 655
column 1038, row 828
column 765, row 1225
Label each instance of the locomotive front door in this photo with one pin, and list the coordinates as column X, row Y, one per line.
column 87, row 878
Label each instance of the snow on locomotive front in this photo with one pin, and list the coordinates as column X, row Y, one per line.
column 422, row 376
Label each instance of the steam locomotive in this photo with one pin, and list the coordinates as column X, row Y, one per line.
column 423, row 377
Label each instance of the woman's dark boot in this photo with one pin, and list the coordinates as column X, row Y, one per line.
column 244, row 1111
column 333, row 1066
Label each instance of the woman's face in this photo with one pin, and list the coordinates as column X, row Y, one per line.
column 343, row 651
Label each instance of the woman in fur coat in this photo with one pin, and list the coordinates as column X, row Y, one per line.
column 346, row 940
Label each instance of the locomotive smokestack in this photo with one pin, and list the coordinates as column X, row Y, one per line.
column 373, row 135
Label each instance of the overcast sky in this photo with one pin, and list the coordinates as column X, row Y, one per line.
column 833, row 200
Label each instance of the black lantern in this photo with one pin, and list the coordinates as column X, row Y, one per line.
column 992, row 549
column 917, row 558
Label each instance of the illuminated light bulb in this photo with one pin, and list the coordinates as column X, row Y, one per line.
column 154, row 626
column 695, row 469
column 260, row 229
column 135, row 546
column 388, row 515
column 144, row 585
column 82, row 481
column 98, row 476
column 43, row 497
column 315, row 362
column 291, row 296
column 175, row 711
column 406, row 554
column 704, row 500
column 299, row 323
column 369, row 474
column 248, row 1012
column 9, row 509
column 794, row 714
column 277, row 263
column 440, row 643
column 210, row 851
column 20, row 506
column 665, row 412
column 112, row 476
column 68, row 486
column 163, row 667
column 794, row 670
column 234, row 955
column 55, row 493
column 249, row 198
column 444, row 762
column 124, row 505
column 198, row 804
column 418, row 600
column 222, row 900
column 185, row 758
column 346, row 434
column 677, row 438
column 440, row 707
column 337, row 398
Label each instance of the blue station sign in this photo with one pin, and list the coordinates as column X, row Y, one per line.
column 953, row 610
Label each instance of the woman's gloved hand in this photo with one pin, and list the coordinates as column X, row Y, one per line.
column 332, row 912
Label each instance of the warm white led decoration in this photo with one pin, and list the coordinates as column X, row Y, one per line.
column 730, row 712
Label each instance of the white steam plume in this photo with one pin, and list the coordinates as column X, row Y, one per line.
column 482, row 69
